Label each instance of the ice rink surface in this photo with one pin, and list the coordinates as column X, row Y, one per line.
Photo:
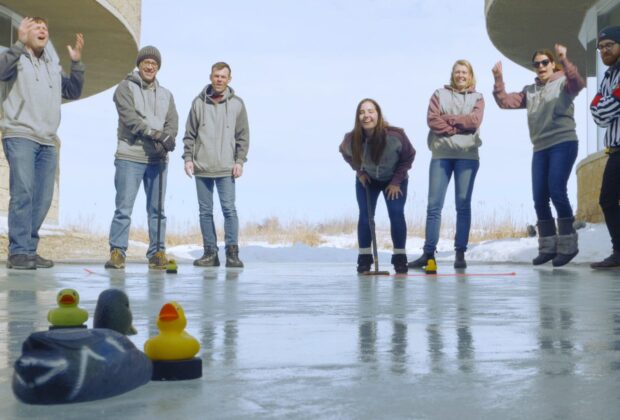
column 317, row 341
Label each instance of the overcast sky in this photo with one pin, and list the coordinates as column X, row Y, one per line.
column 301, row 67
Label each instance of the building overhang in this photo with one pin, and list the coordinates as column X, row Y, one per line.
column 519, row 27
column 111, row 43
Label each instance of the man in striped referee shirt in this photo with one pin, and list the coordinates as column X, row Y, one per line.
column 605, row 110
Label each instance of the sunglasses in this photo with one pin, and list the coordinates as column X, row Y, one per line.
column 543, row 63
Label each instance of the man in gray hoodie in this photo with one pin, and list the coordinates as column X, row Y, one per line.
column 32, row 86
column 217, row 138
column 147, row 126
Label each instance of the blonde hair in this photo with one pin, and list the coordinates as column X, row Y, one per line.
column 467, row 64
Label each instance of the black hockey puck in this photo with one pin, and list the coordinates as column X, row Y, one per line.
column 62, row 327
column 177, row 370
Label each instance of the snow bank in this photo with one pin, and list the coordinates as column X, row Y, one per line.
column 594, row 245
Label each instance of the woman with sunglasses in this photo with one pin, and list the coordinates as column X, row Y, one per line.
column 550, row 110
column 454, row 117
column 381, row 156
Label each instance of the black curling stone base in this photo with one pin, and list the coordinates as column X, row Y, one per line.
column 177, row 370
column 62, row 327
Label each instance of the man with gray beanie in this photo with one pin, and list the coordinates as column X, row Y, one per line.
column 147, row 127
column 605, row 110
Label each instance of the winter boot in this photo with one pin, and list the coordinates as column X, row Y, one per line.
column 400, row 263
column 459, row 260
column 547, row 242
column 232, row 256
column 43, row 262
column 364, row 261
column 567, row 242
column 21, row 262
column 158, row 261
column 208, row 259
column 422, row 261
column 117, row 260
column 613, row 261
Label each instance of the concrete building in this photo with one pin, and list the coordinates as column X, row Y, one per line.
column 111, row 30
column 518, row 27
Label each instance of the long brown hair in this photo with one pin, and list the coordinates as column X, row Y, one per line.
column 376, row 140
column 550, row 56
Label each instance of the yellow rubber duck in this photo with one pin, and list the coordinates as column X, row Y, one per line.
column 67, row 314
column 431, row 266
column 172, row 342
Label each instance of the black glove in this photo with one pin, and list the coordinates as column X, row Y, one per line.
column 160, row 150
column 168, row 142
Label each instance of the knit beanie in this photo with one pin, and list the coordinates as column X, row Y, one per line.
column 148, row 52
column 610, row 32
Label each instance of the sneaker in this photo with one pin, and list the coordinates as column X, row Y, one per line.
column 364, row 261
column 117, row 260
column 420, row 262
column 400, row 263
column 459, row 260
column 208, row 259
column 613, row 261
column 158, row 261
column 41, row 262
column 21, row 262
column 232, row 257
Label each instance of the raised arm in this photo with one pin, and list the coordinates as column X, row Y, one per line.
column 515, row 100
column 72, row 84
column 10, row 57
column 574, row 81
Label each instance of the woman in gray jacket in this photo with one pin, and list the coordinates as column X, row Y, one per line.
column 454, row 116
column 550, row 117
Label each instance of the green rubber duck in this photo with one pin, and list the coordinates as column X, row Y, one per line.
column 67, row 314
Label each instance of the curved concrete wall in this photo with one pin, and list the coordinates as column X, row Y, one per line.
column 111, row 31
column 519, row 27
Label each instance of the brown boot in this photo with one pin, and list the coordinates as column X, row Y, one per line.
column 117, row 260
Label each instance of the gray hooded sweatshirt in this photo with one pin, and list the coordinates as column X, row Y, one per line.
column 550, row 109
column 31, row 90
column 141, row 108
column 217, row 134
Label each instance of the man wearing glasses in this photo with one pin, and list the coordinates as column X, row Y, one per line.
column 147, row 126
column 605, row 110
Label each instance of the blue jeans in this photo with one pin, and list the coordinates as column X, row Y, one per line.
column 440, row 172
column 32, row 170
column 396, row 213
column 551, row 169
column 127, row 181
column 226, row 191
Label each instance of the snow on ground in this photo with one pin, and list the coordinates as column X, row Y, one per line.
column 594, row 245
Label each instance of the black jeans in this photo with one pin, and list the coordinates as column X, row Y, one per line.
column 610, row 197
